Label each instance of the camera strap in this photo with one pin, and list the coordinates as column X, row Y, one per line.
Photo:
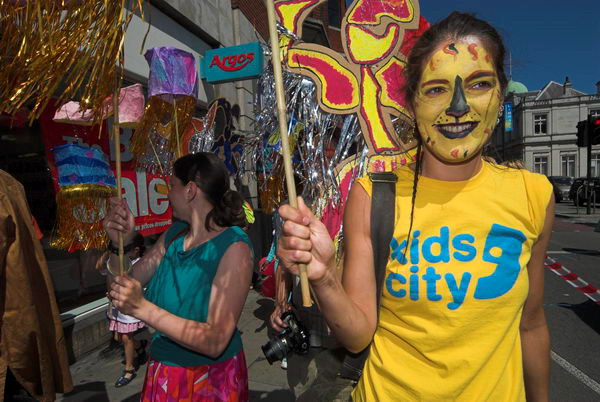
column 383, row 217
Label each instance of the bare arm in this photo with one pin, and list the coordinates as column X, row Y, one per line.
column 349, row 306
column 283, row 287
column 144, row 269
column 535, row 338
column 228, row 294
column 120, row 220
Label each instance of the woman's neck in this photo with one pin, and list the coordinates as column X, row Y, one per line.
column 198, row 233
column 436, row 169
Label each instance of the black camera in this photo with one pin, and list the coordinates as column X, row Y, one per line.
column 294, row 338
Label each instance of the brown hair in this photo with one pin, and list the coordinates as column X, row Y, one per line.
column 210, row 174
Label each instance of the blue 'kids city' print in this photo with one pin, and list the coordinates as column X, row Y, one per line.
column 506, row 242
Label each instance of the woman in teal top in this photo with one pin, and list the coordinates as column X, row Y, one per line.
column 197, row 277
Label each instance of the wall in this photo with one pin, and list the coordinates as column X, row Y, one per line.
column 165, row 31
column 212, row 18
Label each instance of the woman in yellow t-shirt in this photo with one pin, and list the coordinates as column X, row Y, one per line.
column 461, row 314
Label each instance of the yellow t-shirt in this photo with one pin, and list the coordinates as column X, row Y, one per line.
column 450, row 310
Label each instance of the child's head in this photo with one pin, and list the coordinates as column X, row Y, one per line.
column 138, row 248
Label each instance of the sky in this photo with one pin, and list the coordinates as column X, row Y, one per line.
column 548, row 39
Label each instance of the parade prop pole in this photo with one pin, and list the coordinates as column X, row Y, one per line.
column 283, row 131
column 117, row 140
column 117, row 145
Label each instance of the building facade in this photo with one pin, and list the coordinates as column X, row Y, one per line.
column 544, row 130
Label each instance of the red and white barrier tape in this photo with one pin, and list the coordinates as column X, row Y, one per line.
column 573, row 279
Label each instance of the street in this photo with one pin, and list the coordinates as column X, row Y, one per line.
column 573, row 319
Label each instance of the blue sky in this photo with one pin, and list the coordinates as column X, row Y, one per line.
column 548, row 39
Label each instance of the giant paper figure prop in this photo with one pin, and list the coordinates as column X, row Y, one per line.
column 354, row 100
column 376, row 36
column 227, row 144
column 49, row 43
column 172, row 92
column 86, row 182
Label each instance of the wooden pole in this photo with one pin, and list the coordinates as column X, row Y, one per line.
column 176, row 127
column 117, row 145
column 283, row 131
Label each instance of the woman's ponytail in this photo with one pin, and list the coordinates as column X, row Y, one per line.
column 229, row 210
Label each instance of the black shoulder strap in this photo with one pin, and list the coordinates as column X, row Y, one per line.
column 383, row 217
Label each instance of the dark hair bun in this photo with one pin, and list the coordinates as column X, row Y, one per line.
column 229, row 210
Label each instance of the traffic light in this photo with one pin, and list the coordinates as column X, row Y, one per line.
column 588, row 129
column 594, row 129
column 582, row 133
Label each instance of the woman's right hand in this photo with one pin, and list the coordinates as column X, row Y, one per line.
column 305, row 240
column 276, row 322
column 119, row 219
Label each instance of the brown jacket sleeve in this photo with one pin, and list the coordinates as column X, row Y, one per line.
column 32, row 342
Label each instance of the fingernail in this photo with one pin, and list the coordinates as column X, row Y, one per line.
column 305, row 220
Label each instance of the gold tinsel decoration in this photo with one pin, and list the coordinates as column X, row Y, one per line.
column 80, row 211
column 168, row 120
column 66, row 49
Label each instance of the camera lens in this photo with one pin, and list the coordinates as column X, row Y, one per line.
column 275, row 350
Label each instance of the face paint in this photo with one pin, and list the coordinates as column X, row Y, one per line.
column 458, row 100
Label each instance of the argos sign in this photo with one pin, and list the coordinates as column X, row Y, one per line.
column 232, row 63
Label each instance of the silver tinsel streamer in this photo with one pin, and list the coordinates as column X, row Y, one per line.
column 315, row 171
column 204, row 140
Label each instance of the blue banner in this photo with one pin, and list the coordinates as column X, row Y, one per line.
column 232, row 63
column 508, row 116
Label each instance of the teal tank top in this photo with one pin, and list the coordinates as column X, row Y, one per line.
column 182, row 284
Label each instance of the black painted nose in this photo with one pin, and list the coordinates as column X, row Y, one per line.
column 458, row 106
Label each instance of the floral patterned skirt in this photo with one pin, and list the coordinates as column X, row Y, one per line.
column 224, row 381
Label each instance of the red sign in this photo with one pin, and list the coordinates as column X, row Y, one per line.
column 232, row 63
column 150, row 208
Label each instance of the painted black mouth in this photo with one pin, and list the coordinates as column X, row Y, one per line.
column 456, row 130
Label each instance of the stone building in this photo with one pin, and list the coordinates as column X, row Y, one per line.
column 544, row 129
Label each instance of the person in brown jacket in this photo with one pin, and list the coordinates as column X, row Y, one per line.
column 32, row 344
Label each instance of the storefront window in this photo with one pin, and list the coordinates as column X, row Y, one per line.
column 25, row 154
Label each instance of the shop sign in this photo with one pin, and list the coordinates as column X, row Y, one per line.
column 232, row 63
column 140, row 189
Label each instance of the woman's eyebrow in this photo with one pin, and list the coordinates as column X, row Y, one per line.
column 431, row 82
column 480, row 73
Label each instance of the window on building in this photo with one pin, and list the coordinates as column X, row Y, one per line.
column 540, row 164
column 596, row 165
column 334, row 13
column 568, row 165
column 540, row 123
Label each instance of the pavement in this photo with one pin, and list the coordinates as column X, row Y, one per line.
column 308, row 377
column 576, row 214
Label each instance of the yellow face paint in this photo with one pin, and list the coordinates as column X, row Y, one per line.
column 458, row 99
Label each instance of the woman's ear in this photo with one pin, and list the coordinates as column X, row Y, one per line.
column 191, row 189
